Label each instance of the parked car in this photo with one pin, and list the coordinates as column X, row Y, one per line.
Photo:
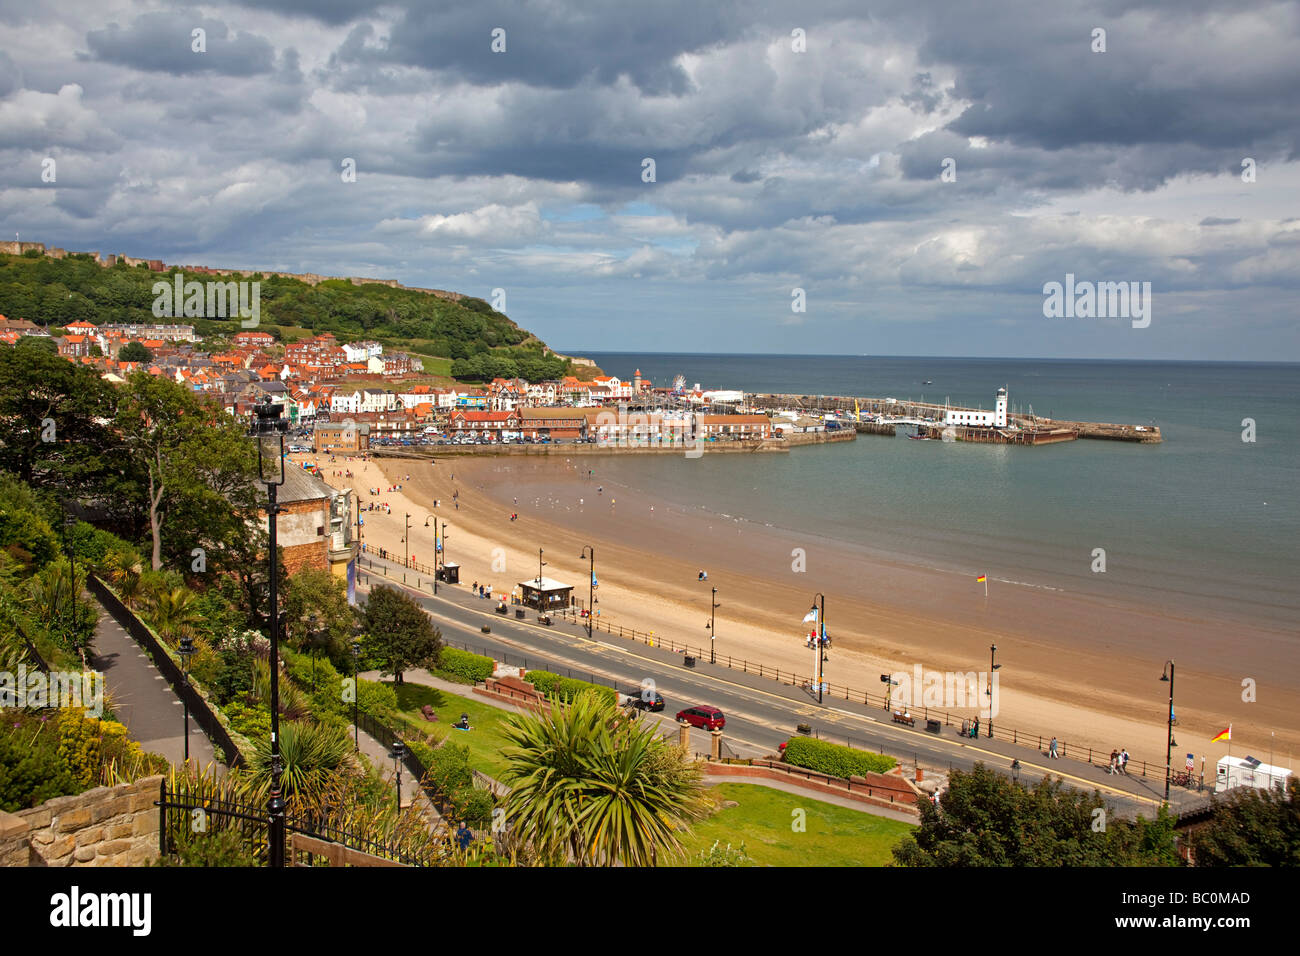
column 640, row 703
column 707, row 718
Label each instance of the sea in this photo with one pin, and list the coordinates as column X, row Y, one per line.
column 1205, row 520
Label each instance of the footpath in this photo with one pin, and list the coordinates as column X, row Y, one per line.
column 142, row 699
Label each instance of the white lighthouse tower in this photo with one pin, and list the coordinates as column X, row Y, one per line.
column 1000, row 409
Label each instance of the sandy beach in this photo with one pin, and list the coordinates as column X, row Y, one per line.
column 1081, row 669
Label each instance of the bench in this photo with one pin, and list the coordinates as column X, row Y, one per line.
column 902, row 718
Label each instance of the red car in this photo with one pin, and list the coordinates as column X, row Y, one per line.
column 709, row 718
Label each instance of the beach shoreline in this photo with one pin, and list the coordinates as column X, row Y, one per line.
column 1081, row 669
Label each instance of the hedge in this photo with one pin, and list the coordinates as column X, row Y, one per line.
column 567, row 688
column 834, row 760
column 473, row 668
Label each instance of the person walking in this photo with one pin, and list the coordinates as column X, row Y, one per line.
column 1051, row 750
column 1114, row 762
column 1123, row 760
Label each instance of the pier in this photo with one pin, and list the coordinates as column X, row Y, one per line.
column 928, row 418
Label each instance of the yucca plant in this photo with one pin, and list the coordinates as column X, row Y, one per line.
column 592, row 786
column 310, row 755
column 293, row 702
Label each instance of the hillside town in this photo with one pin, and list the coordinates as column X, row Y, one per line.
column 352, row 395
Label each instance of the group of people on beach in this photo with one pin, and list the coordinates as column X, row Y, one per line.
column 1118, row 761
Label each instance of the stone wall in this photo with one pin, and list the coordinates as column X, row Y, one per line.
column 107, row 826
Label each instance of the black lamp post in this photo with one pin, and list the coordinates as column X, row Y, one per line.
column 270, row 469
column 356, row 694
column 407, row 538
column 821, row 636
column 187, row 651
column 1168, row 676
column 993, row 649
column 588, row 551
column 398, row 755
column 712, row 626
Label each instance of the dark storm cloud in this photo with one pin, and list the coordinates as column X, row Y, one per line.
column 163, row 42
column 563, row 45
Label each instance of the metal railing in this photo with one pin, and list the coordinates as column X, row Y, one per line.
column 699, row 655
column 200, row 710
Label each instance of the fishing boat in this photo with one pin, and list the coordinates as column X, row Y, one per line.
column 927, row 382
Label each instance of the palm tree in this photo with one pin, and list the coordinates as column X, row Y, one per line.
column 593, row 785
column 175, row 614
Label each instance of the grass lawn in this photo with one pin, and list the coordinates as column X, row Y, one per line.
column 835, row 836
column 485, row 740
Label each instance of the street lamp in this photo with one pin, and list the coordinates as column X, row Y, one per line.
column 407, row 538
column 587, row 550
column 1168, row 676
column 356, row 693
column 187, row 651
column 993, row 649
column 821, row 637
column 713, row 632
column 398, row 755
column 270, row 471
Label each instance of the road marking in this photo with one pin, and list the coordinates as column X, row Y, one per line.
column 833, row 714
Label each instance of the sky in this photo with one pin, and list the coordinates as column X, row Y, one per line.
column 914, row 173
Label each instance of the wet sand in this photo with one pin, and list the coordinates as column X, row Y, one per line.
column 1077, row 667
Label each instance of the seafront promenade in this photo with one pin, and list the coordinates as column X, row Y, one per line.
column 762, row 710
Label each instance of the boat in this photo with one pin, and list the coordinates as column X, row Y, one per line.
column 927, row 382
column 920, row 438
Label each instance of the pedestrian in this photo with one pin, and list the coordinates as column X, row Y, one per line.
column 1114, row 761
column 1051, row 750
column 975, row 732
column 474, row 587
column 1123, row 760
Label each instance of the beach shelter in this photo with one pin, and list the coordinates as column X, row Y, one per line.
column 546, row 594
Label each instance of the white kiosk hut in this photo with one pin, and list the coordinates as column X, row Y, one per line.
column 545, row 594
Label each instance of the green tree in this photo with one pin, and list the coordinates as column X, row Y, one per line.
column 399, row 632
column 985, row 819
column 316, row 609
column 1252, row 827
column 134, row 352
column 52, row 421
column 174, row 614
column 591, row 785
column 198, row 467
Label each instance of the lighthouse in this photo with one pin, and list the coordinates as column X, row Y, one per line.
column 1000, row 409
column 636, row 382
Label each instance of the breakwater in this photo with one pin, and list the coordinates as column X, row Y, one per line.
column 1032, row 429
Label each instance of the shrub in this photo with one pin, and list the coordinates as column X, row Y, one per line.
column 471, row 668
column 376, row 699
column 31, row 774
column 449, row 768
column 834, row 760
column 218, row 848
column 252, row 722
column 472, row 805
column 567, row 688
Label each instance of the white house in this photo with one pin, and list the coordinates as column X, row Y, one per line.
column 980, row 419
column 363, row 351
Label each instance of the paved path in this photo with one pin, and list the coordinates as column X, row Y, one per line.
column 142, row 699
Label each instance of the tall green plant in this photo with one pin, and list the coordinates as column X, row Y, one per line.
column 590, row 785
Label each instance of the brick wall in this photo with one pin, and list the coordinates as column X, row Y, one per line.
column 107, row 826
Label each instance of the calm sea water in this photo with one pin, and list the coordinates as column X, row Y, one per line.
column 1204, row 519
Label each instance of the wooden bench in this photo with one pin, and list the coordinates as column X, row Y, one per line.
column 902, row 718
